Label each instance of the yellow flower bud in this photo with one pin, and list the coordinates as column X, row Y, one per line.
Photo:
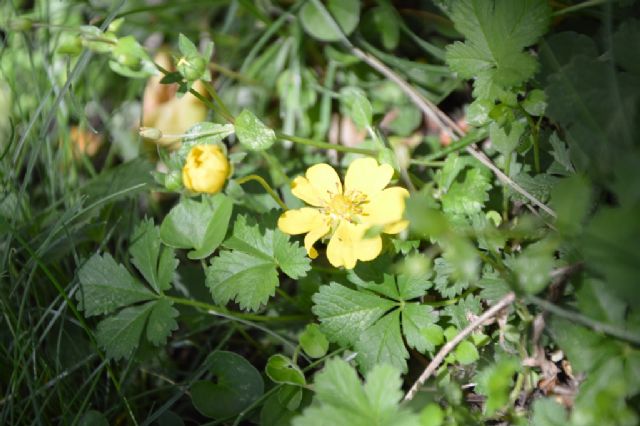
column 206, row 169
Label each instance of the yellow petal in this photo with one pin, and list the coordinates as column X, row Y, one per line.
column 347, row 246
column 366, row 176
column 299, row 221
column 320, row 183
column 386, row 209
column 320, row 229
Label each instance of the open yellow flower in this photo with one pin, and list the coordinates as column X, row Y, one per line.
column 206, row 169
column 345, row 214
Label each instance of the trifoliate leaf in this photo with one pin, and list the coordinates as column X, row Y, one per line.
column 416, row 319
column 155, row 263
column 469, row 196
column 252, row 133
column 248, row 272
column 343, row 13
column 162, row 322
column 313, row 342
column 281, row 369
column 200, row 226
column 342, row 400
column 107, row 286
column 120, row 334
column 496, row 34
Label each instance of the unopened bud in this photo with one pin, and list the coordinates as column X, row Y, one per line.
column 150, row 133
column 191, row 67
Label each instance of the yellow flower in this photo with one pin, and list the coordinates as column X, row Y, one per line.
column 206, row 169
column 346, row 214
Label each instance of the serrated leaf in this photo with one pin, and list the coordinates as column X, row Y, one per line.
column 382, row 344
column 248, row 273
column 200, row 226
column 496, row 34
column 344, row 13
column 415, row 319
column 447, row 285
column 247, row 279
column 495, row 382
column 346, row 313
column 341, row 399
column 505, row 141
column 155, row 263
column 119, row 335
column 281, row 369
column 252, row 133
column 461, row 311
column 468, row 197
column 107, row 286
column 162, row 321
column 533, row 266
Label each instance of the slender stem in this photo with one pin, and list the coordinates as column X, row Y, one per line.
column 233, row 315
column 266, row 187
column 586, row 321
column 326, row 145
column 505, row 189
column 468, row 139
column 214, row 94
column 451, row 345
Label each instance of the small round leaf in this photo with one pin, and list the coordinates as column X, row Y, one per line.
column 320, row 25
column 252, row 133
column 281, row 369
column 466, row 353
column 313, row 341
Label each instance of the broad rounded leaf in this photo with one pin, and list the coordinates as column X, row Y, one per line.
column 313, row 341
column 236, row 386
column 320, row 23
column 281, row 369
column 252, row 133
column 466, row 353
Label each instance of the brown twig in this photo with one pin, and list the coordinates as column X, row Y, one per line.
column 449, row 346
column 445, row 123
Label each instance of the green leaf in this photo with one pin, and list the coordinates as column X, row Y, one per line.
column 466, row 353
column 346, row 313
column 433, row 333
column 547, row 412
column 416, row 319
column 496, row 33
column 236, row 386
column 203, row 133
column 561, row 153
column 93, row 418
column 533, row 266
column 506, row 142
column 382, row 344
column 119, row 335
column 468, row 197
column 162, row 321
column 313, row 341
column 281, row 369
column 495, row 383
column 248, row 272
column 186, row 46
column 107, row 286
column 356, row 106
column 200, row 226
column 431, row 415
column 387, row 24
column 252, row 133
column 344, row 13
column 341, row 399
column 445, row 283
column 535, row 103
column 155, row 263
column 461, row 311
column 571, row 199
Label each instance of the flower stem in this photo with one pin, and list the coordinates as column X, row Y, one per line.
column 223, row 108
column 326, row 145
column 266, row 187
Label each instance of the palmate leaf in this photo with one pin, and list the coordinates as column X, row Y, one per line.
column 107, row 286
column 373, row 324
column 341, row 399
column 247, row 271
column 496, row 32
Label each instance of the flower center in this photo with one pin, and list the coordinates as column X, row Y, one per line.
column 345, row 206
